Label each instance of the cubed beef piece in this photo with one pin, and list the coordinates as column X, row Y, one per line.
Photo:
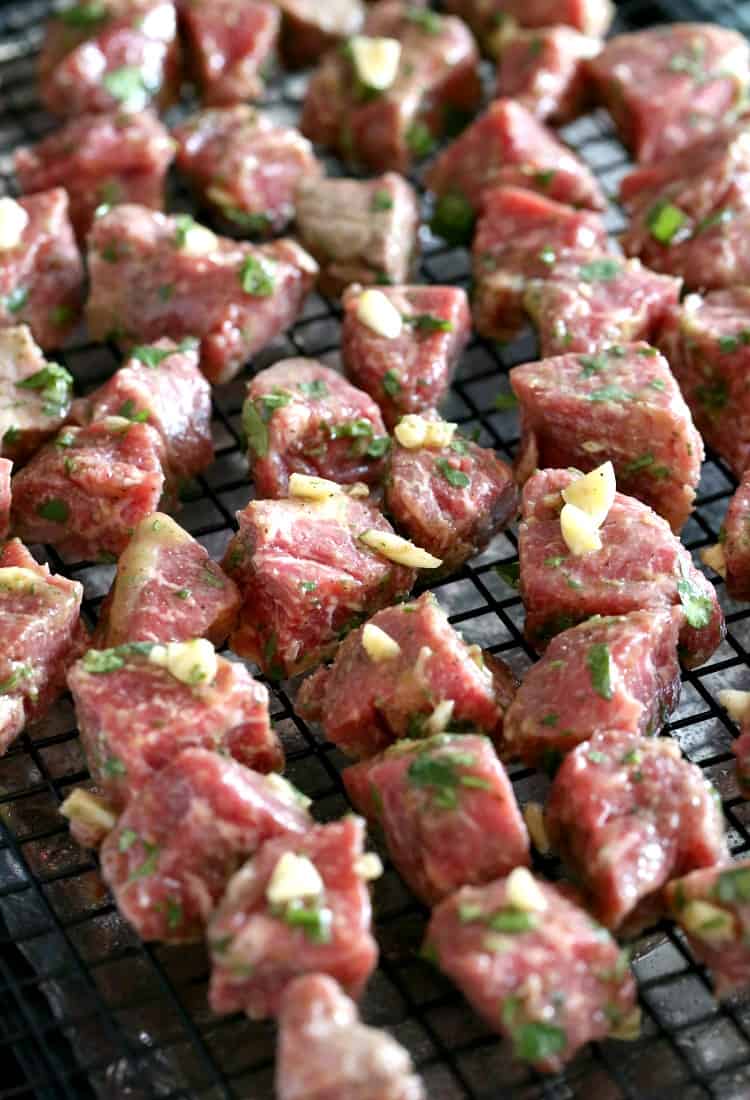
column 84, row 492
column 309, row 28
column 135, row 715
column 184, row 834
column 447, row 809
column 738, row 705
column 306, row 578
column 100, row 160
column 6, row 467
column 344, row 1059
column 520, row 236
column 41, row 633
column 628, row 813
column 407, row 371
column 114, row 55
column 668, row 85
column 35, row 396
column 301, row 906
column 155, row 276
column 507, row 146
column 229, row 43
column 436, row 79
column 450, row 498
column 619, row 672
column 167, row 589
column 730, row 558
column 586, row 302
column 301, row 417
column 534, row 966
column 359, row 231
column 712, row 906
column 492, row 19
column 419, row 680
column 244, row 167
column 641, row 566
column 707, row 343
column 543, row 70
column 690, row 213
column 161, row 385
column 41, row 275
column 621, row 404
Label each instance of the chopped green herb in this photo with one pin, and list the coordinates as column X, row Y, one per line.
column 510, row 573
column 440, row 773
column 23, row 672
column 512, row 920
column 596, row 757
column 184, row 223
column 664, row 221
column 429, row 21
column 638, row 464
column 550, row 719
column 453, row 218
column 129, row 87
column 210, row 579
column 55, row 386
column 98, row 661
column 420, row 139
column 428, row 322
column 129, row 412
column 610, row 393
column 697, row 606
column 127, row 839
column 713, row 396
column 536, row 1042
column 83, row 15
column 256, row 223
column 55, row 510
column 149, row 864
column 315, row 389
column 600, row 271
column 11, row 436
column 545, row 177
column 60, row 315
column 548, row 256
column 174, row 913
column 113, row 767
column 258, row 276
column 467, row 913
column 183, row 594
column 733, row 885
column 154, row 357
column 381, row 200
column 599, row 664
column 391, row 383
column 314, row 920
column 16, row 300
column 378, row 447
column 593, row 364
column 457, row 478
column 554, row 562
column 308, row 586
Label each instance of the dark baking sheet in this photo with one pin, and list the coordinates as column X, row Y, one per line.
column 87, row 1010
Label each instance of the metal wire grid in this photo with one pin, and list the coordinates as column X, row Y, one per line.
column 88, row 1010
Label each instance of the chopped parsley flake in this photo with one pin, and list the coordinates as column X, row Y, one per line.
column 428, row 322
column 420, row 139
column 510, row 572
column 453, row 218
column 664, row 221
column 391, row 383
column 441, row 776
column 697, row 606
column 315, row 389
column 129, row 86
column 599, row 664
column 55, row 510
column 258, row 276
column 83, row 15
column 457, row 478
column 16, row 300
column 381, row 200
column 600, row 271
column 55, row 386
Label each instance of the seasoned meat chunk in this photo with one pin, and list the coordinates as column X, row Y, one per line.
column 706, row 342
column 534, row 966
column 521, row 236
column 450, row 496
column 490, row 19
column 301, row 417
column 41, row 634
column 309, row 28
column 738, row 705
column 405, row 365
column 507, row 146
column 621, row 404
column 228, row 43
column 41, row 272
column 419, row 680
column 628, row 813
column 6, row 466
column 167, row 589
column 139, row 705
column 84, row 492
column 542, row 69
column 384, row 117
column 712, row 906
column 668, row 85
column 110, row 55
column 100, row 160
column 619, row 672
column 690, row 212
column 447, row 809
column 155, row 276
column 641, row 566
column 307, row 577
column 301, row 906
column 244, row 167
column 730, row 558
column 184, row 834
column 35, row 396
column 359, row 231
column 161, row 385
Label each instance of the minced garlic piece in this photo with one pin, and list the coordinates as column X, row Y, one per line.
column 523, row 892
column 580, row 532
column 294, row 878
column 713, row 557
column 91, row 809
column 413, row 432
column 13, row 222
column 287, row 792
column 16, row 579
column 378, row 313
column 193, row 662
column 707, row 922
column 440, row 718
column 200, row 241
column 736, row 703
column 399, row 550
column 629, row 1028
column 369, row 866
column 312, row 488
column 376, row 60
column 593, row 493
column 533, row 815
column 378, row 645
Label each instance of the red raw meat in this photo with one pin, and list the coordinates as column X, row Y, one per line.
column 436, row 682
column 114, row 55
column 41, row 635
column 490, row 19
column 182, row 837
column 447, row 809
column 146, row 283
column 550, row 979
column 543, row 70
column 35, row 395
column 258, row 947
column 410, row 373
column 41, row 279
column 641, row 566
column 731, row 558
column 619, row 672
column 166, row 589
column 360, row 231
column 84, row 492
column 6, row 466
column 134, row 717
column 309, row 27
column 622, row 404
column 437, row 77
column 628, row 813
column 302, row 417
column 306, row 579
column 100, row 160
column 228, row 44
column 244, row 167
column 343, row 1059
column 669, row 85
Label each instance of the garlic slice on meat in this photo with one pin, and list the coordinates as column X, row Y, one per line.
column 579, row 531
column 413, row 432
column 376, row 60
column 378, row 645
column 305, row 487
column 714, row 558
column 735, row 703
column 294, row 878
column 379, row 314
column 13, row 222
column 399, row 550
column 593, row 493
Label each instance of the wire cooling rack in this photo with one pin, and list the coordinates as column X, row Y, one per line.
column 86, row 1010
